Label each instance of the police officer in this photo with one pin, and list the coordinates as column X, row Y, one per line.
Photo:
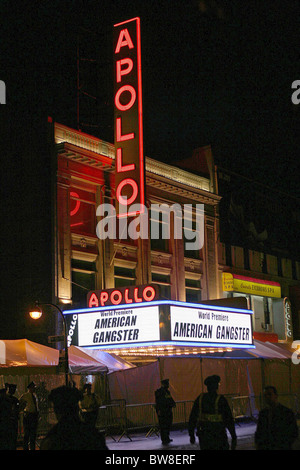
column 164, row 404
column 211, row 415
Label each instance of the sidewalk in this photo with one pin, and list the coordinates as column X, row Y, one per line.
column 181, row 441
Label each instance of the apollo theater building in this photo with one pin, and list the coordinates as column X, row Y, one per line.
column 138, row 260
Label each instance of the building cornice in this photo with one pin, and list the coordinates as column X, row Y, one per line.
column 91, row 151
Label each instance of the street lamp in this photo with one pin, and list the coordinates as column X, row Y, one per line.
column 36, row 313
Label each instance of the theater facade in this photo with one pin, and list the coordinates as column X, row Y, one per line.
column 138, row 256
column 140, row 297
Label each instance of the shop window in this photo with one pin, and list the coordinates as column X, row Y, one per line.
column 268, row 312
column 263, row 313
column 124, row 277
column 163, row 280
column 193, row 290
column 259, row 313
column 82, row 212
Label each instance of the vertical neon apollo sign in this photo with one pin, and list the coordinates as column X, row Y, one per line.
column 128, row 124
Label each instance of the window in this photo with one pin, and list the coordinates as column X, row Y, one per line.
column 159, row 230
column 193, row 290
column 189, row 230
column 164, row 283
column 82, row 211
column 124, row 277
column 83, row 280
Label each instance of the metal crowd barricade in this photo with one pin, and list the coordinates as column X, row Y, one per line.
column 182, row 411
column 240, row 407
column 113, row 419
column 143, row 416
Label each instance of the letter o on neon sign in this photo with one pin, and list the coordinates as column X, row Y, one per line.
column 125, row 107
column 123, row 200
column 149, row 293
column 116, row 297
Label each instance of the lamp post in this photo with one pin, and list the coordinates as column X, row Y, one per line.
column 37, row 313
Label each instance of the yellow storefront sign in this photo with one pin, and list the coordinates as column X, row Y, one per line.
column 236, row 283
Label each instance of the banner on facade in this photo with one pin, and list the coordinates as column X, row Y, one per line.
column 247, row 285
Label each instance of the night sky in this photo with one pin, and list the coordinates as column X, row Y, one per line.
column 214, row 73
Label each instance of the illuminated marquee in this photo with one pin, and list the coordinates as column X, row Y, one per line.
column 122, row 295
column 210, row 326
column 118, row 326
column 163, row 323
column 129, row 166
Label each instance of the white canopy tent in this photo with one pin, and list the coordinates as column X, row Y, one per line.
column 25, row 353
column 22, row 361
column 92, row 361
column 22, row 353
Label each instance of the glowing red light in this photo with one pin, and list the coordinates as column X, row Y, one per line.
column 124, row 40
column 120, row 137
column 135, row 190
column 120, row 166
column 76, row 209
column 129, row 168
column 120, row 71
column 125, row 107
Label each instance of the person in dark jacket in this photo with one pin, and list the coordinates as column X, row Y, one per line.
column 211, row 415
column 14, row 415
column 277, row 426
column 70, row 433
column 164, row 405
column 5, row 411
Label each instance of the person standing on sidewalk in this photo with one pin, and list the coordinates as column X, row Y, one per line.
column 277, row 425
column 211, row 415
column 89, row 405
column 14, row 415
column 29, row 405
column 70, row 432
column 164, row 405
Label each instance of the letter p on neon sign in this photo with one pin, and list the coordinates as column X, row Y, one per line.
column 128, row 118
